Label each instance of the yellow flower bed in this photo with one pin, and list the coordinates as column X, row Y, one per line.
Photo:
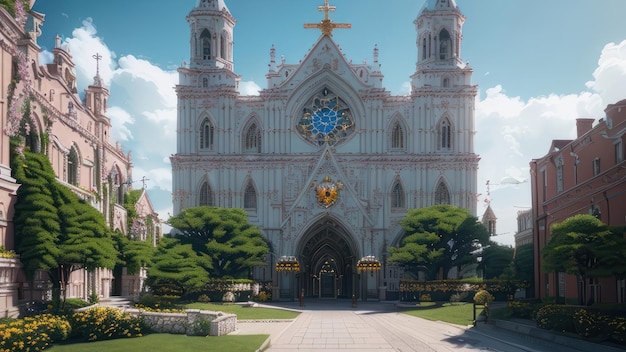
column 33, row 333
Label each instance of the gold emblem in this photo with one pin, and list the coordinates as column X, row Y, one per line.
column 327, row 191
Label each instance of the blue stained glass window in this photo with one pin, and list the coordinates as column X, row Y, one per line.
column 327, row 120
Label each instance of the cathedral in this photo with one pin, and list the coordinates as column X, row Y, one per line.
column 325, row 160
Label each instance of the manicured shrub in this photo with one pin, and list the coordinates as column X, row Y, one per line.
column 555, row 317
column 483, row 297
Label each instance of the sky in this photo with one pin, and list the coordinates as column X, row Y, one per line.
column 539, row 65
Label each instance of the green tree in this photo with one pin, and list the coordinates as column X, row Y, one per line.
column 133, row 254
column 177, row 268
column 523, row 265
column 56, row 231
column 583, row 245
column 439, row 237
column 232, row 245
column 496, row 258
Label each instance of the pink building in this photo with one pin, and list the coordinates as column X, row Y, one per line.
column 73, row 130
column 582, row 176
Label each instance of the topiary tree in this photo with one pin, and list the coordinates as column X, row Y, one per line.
column 55, row 231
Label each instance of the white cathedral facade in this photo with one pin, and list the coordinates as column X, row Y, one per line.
column 325, row 160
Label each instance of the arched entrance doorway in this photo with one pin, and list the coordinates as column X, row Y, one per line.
column 328, row 257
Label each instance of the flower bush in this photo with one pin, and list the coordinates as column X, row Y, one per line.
column 590, row 324
column 617, row 329
column 33, row 333
column 102, row 323
column 555, row 317
column 6, row 254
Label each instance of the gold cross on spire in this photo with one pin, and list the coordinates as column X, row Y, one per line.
column 326, row 25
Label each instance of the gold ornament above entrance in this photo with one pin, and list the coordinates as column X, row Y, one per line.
column 327, row 191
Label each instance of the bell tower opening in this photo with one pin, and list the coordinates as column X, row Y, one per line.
column 328, row 256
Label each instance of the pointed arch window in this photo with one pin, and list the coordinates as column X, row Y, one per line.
column 445, row 45
column 397, row 196
column 249, row 198
column 72, row 167
column 445, row 134
column 206, row 135
column 252, row 139
column 206, row 195
column 205, row 42
column 397, row 136
column 442, row 195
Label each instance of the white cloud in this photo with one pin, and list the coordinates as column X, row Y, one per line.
column 249, row 88
column 511, row 132
column 609, row 76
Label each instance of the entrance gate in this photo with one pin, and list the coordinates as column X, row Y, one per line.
column 328, row 258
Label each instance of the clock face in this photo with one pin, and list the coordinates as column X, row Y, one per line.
column 327, row 120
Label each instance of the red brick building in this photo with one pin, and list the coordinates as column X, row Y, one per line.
column 582, row 176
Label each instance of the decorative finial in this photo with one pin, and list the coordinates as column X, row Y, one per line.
column 97, row 80
column 326, row 25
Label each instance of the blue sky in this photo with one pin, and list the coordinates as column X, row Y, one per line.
column 539, row 65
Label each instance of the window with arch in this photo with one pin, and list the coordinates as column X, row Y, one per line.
column 446, row 82
column 252, row 139
column 206, row 195
column 445, row 45
column 249, row 197
column 424, row 49
column 72, row 167
column 205, row 42
column 205, row 82
column 207, row 132
column 442, row 195
column 445, row 134
column 397, row 196
column 397, row 136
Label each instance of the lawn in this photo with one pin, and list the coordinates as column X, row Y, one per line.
column 168, row 342
column 457, row 313
column 245, row 313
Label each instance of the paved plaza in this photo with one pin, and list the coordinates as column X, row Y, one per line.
column 336, row 326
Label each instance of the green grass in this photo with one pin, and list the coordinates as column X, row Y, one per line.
column 458, row 313
column 168, row 342
column 245, row 313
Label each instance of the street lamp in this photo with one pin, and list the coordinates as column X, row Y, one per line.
column 368, row 263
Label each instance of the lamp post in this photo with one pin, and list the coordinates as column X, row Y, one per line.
column 288, row 263
column 368, row 263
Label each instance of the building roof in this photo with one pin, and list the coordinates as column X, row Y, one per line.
column 432, row 5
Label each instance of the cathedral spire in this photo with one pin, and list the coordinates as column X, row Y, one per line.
column 212, row 27
column 327, row 25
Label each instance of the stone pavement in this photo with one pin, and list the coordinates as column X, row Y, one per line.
column 336, row 326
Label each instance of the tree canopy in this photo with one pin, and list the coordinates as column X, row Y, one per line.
column 439, row 237
column 55, row 231
column 496, row 258
column 176, row 267
column 233, row 246
column 585, row 246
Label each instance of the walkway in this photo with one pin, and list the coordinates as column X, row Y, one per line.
column 374, row 326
